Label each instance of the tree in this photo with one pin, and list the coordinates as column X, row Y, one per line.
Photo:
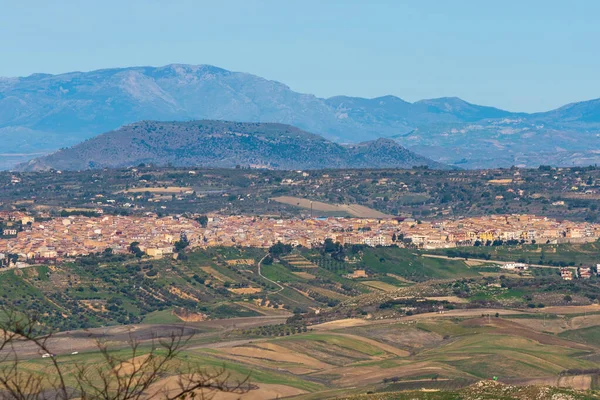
column 131, row 375
column 180, row 245
column 202, row 220
column 330, row 246
column 134, row 248
column 268, row 260
column 280, row 249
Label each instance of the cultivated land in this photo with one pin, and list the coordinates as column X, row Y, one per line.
column 413, row 322
column 562, row 193
column 350, row 209
column 429, row 351
column 222, row 282
column 326, row 320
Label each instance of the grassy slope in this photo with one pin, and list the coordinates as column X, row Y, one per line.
column 536, row 254
column 407, row 264
column 589, row 335
column 278, row 273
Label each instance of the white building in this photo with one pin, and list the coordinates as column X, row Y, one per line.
column 515, row 266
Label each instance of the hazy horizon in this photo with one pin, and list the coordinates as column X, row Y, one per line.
column 527, row 57
column 267, row 78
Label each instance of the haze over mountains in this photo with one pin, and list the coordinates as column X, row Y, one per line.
column 41, row 113
column 225, row 144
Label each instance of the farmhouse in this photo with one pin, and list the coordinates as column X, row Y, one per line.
column 585, row 272
column 515, row 266
column 566, row 274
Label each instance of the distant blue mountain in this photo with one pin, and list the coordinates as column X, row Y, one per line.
column 42, row 112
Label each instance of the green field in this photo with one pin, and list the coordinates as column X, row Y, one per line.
column 339, row 341
column 590, row 335
column 409, row 265
column 544, row 254
column 279, row 273
column 161, row 317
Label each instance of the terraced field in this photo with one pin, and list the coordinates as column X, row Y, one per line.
column 415, row 322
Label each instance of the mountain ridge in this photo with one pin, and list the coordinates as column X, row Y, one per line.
column 43, row 112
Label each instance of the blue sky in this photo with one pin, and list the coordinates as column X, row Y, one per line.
column 525, row 55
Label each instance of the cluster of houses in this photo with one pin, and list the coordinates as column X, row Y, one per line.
column 568, row 274
column 53, row 239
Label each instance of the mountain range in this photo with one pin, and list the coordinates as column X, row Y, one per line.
column 225, row 144
column 41, row 113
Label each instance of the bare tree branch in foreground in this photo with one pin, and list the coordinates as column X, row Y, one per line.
column 152, row 370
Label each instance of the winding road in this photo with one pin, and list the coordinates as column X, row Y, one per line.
column 264, row 277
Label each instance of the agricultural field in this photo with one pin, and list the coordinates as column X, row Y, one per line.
column 409, row 265
column 205, row 284
column 354, row 210
column 416, row 193
column 111, row 289
column 168, row 189
column 221, row 283
column 433, row 352
column 589, row 335
column 567, row 254
column 311, row 328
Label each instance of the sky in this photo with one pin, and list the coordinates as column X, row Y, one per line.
column 526, row 55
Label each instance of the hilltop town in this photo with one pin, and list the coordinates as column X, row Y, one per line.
column 58, row 238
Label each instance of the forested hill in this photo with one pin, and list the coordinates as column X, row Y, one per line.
column 226, row 144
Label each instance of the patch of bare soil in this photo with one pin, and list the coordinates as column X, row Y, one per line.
column 128, row 367
column 340, row 324
column 187, row 316
column 247, row 290
column 570, row 309
column 258, row 391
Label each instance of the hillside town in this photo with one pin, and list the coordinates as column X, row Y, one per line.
column 24, row 239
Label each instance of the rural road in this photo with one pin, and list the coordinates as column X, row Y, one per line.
column 264, row 277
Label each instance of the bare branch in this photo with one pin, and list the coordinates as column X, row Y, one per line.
column 134, row 377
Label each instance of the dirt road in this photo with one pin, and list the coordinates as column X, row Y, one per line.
column 264, row 277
